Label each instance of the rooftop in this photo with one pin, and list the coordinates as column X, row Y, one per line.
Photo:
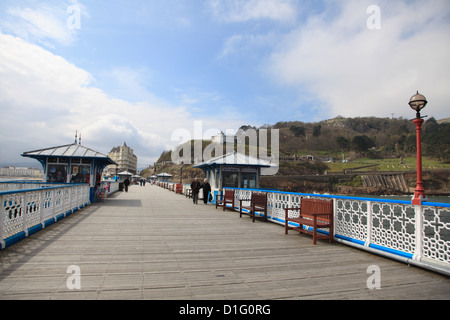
column 236, row 159
column 68, row 151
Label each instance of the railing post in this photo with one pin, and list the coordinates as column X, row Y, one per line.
column 76, row 198
column 369, row 224
column 418, row 251
column 41, row 207
column 24, row 208
column 335, row 215
column 2, row 221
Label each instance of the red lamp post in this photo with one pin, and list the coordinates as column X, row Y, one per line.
column 417, row 103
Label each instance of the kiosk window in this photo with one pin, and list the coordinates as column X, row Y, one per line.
column 80, row 174
column 230, row 180
column 248, row 180
column 57, row 173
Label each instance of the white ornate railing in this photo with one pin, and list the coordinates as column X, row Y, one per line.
column 415, row 234
column 24, row 212
column 22, row 185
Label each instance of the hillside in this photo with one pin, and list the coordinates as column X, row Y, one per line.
column 314, row 156
column 354, row 138
column 364, row 137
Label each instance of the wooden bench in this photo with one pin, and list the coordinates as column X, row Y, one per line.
column 315, row 213
column 227, row 197
column 258, row 203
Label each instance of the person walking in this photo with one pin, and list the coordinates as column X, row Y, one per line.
column 206, row 191
column 195, row 187
column 126, row 183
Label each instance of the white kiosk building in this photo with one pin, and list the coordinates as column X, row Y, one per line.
column 233, row 170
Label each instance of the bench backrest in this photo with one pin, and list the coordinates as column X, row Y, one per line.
column 229, row 194
column 309, row 206
column 259, row 198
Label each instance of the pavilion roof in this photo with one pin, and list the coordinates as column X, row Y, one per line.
column 235, row 159
column 68, row 151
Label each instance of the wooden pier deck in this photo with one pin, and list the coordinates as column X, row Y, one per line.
column 153, row 244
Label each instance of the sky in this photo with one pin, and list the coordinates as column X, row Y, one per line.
column 136, row 71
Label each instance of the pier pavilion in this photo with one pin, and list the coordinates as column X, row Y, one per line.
column 233, row 170
column 72, row 163
column 163, row 177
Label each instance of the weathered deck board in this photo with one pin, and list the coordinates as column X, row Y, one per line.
column 150, row 243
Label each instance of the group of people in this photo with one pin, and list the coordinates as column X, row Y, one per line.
column 196, row 186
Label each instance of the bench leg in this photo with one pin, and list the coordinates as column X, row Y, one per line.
column 315, row 231
column 331, row 232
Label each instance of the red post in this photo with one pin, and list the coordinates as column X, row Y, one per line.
column 419, row 193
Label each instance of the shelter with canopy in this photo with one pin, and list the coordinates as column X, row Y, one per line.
column 72, row 163
column 233, row 170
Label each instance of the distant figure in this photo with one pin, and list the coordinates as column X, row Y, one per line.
column 126, row 183
column 206, row 191
column 195, row 187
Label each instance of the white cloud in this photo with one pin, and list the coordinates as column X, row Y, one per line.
column 239, row 43
column 44, row 100
column 245, row 10
column 45, row 25
column 355, row 71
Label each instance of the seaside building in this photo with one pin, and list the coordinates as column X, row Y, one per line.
column 125, row 159
column 222, row 138
column 233, row 170
column 72, row 163
column 22, row 172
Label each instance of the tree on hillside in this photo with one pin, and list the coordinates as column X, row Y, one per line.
column 343, row 143
column 436, row 139
column 317, row 130
column 362, row 143
column 298, row 131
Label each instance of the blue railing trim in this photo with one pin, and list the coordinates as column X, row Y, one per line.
column 14, row 239
column 436, row 204
column 349, row 239
column 42, row 188
column 393, row 251
column 34, row 229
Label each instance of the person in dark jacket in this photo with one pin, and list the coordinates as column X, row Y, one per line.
column 126, row 184
column 195, row 187
column 206, row 191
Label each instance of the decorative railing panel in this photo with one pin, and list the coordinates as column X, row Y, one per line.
column 351, row 219
column 436, row 233
column 393, row 226
column 24, row 210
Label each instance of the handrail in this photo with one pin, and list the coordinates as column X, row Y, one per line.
column 41, row 188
